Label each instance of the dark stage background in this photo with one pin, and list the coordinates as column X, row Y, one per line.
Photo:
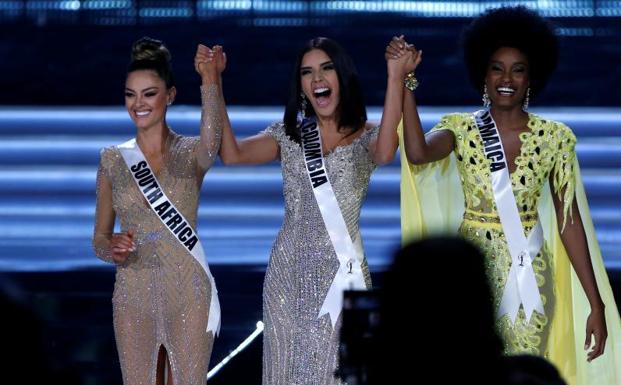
column 76, row 52
column 62, row 72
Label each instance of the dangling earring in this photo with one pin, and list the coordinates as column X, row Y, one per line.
column 303, row 105
column 486, row 101
column 526, row 100
column 169, row 103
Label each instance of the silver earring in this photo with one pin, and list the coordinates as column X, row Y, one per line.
column 169, row 103
column 486, row 102
column 303, row 105
column 526, row 100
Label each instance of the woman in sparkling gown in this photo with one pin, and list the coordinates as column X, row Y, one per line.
column 300, row 341
column 510, row 53
column 162, row 295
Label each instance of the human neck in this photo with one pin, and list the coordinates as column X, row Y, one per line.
column 328, row 124
column 153, row 139
column 509, row 118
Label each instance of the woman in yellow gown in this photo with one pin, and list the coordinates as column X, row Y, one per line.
column 447, row 186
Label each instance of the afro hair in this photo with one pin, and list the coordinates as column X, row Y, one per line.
column 515, row 27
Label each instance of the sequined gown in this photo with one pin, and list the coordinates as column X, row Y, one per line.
column 299, row 348
column 548, row 149
column 161, row 294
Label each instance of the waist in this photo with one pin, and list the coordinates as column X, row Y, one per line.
column 528, row 218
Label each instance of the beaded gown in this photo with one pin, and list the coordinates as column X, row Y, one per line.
column 161, row 293
column 298, row 347
column 547, row 149
column 467, row 205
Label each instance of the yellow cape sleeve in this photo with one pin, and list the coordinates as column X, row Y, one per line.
column 432, row 202
column 567, row 336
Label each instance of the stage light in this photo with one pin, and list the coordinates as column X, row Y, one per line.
column 257, row 332
column 277, row 13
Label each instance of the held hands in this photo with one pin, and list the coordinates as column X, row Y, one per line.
column 596, row 327
column 209, row 63
column 401, row 57
column 121, row 244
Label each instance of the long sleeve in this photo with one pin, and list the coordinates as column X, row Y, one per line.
column 104, row 215
column 211, row 126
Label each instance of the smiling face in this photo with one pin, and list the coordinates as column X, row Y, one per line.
column 146, row 98
column 507, row 78
column 320, row 83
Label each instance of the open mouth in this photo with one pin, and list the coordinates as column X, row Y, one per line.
column 322, row 96
column 141, row 114
column 505, row 91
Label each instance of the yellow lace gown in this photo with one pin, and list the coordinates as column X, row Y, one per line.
column 455, row 195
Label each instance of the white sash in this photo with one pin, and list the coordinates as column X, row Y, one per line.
column 171, row 218
column 521, row 286
column 350, row 255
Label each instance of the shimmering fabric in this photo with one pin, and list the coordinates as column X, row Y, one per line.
column 161, row 294
column 433, row 197
column 299, row 348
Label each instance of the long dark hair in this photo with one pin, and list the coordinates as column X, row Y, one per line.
column 152, row 54
column 351, row 111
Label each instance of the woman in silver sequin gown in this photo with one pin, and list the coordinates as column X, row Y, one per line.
column 299, row 347
column 161, row 294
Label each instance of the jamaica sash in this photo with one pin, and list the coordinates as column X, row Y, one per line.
column 350, row 255
column 171, row 218
column 521, row 286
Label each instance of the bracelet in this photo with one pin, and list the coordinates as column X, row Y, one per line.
column 411, row 83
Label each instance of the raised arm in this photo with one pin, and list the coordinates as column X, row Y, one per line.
column 260, row 148
column 384, row 147
column 211, row 124
column 419, row 148
column 211, row 112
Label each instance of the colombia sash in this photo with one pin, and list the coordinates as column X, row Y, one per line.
column 521, row 286
column 350, row 255
column 171, row 218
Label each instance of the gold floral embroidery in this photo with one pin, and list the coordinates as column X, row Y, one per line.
column 547, row 153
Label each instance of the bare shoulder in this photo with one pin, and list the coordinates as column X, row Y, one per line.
column 370, row 126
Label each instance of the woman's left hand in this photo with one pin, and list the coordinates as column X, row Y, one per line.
column 596, row 327
column 220, row 58
column 401, row 57
column 206, row 63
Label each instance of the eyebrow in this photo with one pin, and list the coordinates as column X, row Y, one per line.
column 145, row 90
column 321, row 65
column 501, row 62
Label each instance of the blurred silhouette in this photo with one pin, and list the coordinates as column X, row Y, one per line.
column 24, row 357
column 436, row 303
column 531, row 370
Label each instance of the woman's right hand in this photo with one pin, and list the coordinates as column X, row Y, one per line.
column 220, row 58
column 401, row 57
column 121, row 244
column 209, row 63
